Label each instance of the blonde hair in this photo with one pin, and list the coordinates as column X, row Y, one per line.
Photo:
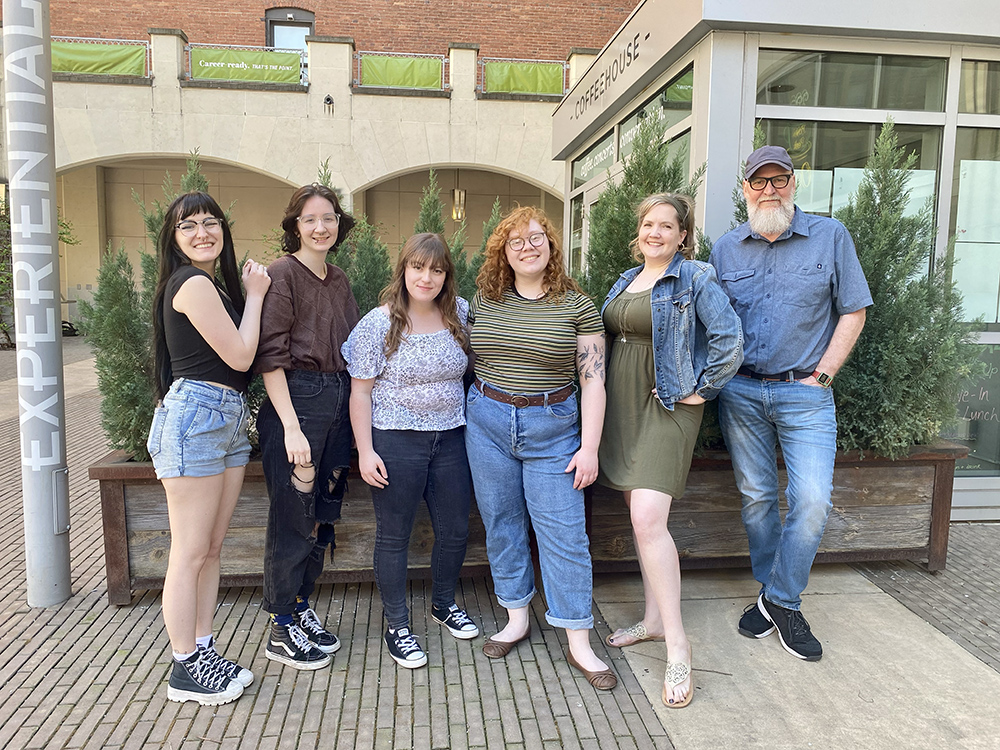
column 496, row 276
column 421, row 249
column 683, row 206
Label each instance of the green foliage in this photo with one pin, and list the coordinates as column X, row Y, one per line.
column 121, row 341
column 365, row 260
column 466, row 280
column 647, row 170
column 431, row 214
column 739, row 202
column 898, row 387
column 456, row 247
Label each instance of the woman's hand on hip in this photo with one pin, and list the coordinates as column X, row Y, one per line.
column 694, row 399
column 584, row 463
column 372, row 469
column 297, row 447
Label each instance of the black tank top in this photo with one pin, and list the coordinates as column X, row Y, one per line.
column 190, row 355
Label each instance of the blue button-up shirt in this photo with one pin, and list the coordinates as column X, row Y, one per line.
column 790, row 293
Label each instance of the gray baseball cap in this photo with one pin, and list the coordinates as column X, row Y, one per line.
column 767, row 155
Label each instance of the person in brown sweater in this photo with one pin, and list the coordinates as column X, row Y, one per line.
column 305, row 431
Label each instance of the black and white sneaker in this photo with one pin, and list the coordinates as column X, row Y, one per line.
column 318, row 636
column 197, row 679
column 289, row 645
column 793, row 630
column 454, row 618
column 753, row 624
column 229, row 668
column 404, row 649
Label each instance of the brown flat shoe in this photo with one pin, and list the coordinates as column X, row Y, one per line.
column 602, row 680
column 499, row 649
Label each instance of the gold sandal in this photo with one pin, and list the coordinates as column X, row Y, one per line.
column 677, row 672
column 637, row 633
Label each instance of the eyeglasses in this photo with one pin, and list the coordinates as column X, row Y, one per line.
column 777, row 182
column 535, row 240
column 188, row 227
column 311, row 221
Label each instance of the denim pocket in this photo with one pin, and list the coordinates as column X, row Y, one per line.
column 563, row 410
column 304, row 387
column 154, row 442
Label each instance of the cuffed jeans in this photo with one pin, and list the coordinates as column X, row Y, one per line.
column 756, row 416
column 294, row 546
column 518, row 458
column 428, row 466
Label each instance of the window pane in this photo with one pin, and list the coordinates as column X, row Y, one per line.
column 978, row 421
column 671, row 104
column 576, row 235
column 980, row 88
column 840, row 79
column 290, row 37
column 829, row 159
column 596, row 160
column 681, row 147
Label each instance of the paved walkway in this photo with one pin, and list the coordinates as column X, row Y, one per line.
column 911, row 659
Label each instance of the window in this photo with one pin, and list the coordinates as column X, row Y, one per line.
column 670, row 105
column 840, row 79
column 287, row 28
column 980, row 88
column 596, row 160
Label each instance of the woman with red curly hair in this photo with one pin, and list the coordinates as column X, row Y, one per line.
column 533, row 332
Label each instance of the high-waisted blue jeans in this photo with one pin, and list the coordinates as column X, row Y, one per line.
column 294, row 545
column 426, row 467
column 756, row 416
column 518, row 458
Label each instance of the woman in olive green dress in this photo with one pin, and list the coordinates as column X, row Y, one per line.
column 675, row 342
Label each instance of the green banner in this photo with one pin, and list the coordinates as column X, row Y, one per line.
column 523, row 78
column 401, row 72
column 245, row 65
column 99, row 59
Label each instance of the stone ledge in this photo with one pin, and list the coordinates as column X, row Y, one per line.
column 100, row 78
column 387, row 91
column 292, row 88
column 506, row 97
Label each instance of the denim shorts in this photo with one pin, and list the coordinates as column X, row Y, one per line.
column 200, row 430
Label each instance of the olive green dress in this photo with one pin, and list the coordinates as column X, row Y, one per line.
column 644, row 445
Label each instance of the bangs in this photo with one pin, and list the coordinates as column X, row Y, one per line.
column 196, row 203
column 429, row 250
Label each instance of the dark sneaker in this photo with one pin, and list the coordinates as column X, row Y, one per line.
column 404, row 649
column 229, row 668
column 289, row 645
column 318, row 636
column 753, row 624
column 454, row 618
column 197, row 679
column 793, row 630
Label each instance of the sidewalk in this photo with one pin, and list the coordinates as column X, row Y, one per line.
column 88, row 675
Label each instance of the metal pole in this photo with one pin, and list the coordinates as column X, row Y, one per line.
column 34, row 229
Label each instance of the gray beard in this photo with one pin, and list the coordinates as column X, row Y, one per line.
column 768, row 222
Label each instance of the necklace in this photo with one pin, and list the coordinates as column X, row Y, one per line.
column 622, row 310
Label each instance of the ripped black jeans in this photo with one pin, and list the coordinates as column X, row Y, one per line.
column 295, row 546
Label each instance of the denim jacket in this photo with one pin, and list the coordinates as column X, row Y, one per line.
column 697, row 338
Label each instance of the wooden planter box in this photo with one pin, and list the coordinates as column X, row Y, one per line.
column 137, row 535
column 882, row 510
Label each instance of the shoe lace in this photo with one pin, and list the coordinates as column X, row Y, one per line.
column 217, row 660
column 206, row 672
column 406, row 642
column 797, row 625
column 299, row 638
column 309, row 621
column 459, row 617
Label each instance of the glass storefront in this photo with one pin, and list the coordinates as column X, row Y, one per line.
column 670, row 105
column 576, row 235
column 595, row 160
column 842, row 79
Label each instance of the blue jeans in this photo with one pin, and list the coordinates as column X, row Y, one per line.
column 429, row 467
column 294, row 547
column 755, row 416
column 518, row 459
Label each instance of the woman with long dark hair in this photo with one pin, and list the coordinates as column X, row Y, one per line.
column 305, row 435
column 205, row 338
column 406, row 359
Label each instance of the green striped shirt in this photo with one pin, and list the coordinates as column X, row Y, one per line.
column 529, row 346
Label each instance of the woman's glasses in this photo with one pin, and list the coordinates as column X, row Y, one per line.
column 188, row 227
column 535, row 240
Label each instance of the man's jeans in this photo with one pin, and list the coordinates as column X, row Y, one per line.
column 518, row 459
column 429, row 467
column 294, row 545
column 755, row 415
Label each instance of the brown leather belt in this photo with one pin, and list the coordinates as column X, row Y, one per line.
column 552, row 397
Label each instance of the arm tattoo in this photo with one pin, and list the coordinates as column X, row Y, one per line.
column 590, row 361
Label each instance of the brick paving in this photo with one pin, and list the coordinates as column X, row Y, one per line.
column 89, row 675
column 963, row 602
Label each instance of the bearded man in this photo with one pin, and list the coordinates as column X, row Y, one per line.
column 796, row 283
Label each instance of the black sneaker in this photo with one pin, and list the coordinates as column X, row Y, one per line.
column 793, row 630
column 289, row 645
column 318, row 636
column 753, row 624
column 229, row 668
column 197, row 679
column 404, row 649
column 454, row 618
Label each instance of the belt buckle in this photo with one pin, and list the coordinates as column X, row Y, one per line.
column 520, row 402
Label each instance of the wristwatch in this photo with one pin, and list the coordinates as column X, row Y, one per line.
column 823, row 379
